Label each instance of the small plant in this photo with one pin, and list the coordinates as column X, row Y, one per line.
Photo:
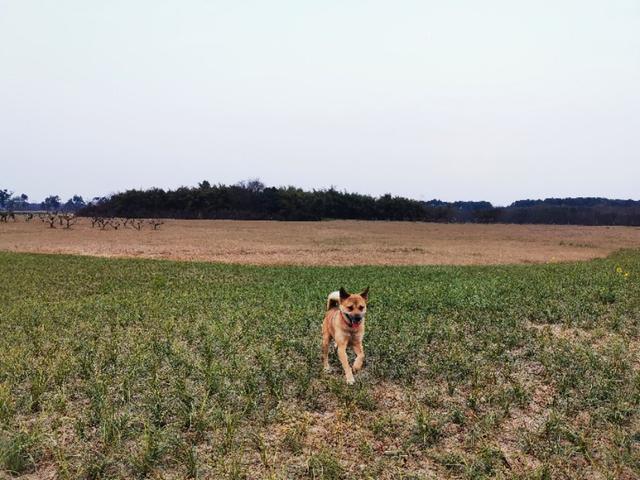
column 487, row 463
column 607, row 295
column 6, row 403
column 427, row 430
column 453, row 462
column 457, row 416
column 263, row 449
column 294, row 439
column 149, row 453
column 16, row 455
column 96, row 467
column 190, row 460
column 38, row 385
column 323, row 466
column 384, row 426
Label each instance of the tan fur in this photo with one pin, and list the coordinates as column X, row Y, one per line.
column 336, row 326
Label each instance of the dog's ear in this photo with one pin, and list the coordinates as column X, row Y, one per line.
column 343, row 294
column 365, row 294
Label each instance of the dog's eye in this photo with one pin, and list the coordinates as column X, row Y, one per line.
column 350, row 307
column 361, row 307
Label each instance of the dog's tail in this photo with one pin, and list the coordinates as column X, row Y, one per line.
column 333, row 300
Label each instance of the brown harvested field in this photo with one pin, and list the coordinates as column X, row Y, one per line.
column 326, row 243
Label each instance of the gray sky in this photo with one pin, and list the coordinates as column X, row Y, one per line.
column 458, row 100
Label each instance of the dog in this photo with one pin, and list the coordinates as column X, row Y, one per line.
column 344, row 322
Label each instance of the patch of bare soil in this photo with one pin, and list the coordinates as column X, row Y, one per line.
column 325, row 243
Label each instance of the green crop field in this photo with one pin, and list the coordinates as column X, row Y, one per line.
column 140, row 368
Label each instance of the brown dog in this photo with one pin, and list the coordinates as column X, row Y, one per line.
column 344, row 322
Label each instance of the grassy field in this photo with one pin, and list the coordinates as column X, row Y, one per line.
column 134, row 368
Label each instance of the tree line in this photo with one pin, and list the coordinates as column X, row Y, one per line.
column 252, row 200
column 20, row 203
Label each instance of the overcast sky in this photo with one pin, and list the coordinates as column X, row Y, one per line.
column 457, row 100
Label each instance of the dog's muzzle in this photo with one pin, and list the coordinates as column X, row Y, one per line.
column 353, row 320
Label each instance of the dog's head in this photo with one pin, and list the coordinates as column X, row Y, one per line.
column 354, row 306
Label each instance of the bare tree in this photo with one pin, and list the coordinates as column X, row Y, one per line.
column 5, row 216
column 51, row 218
column 70, row 219
column 155, row 223
column 115, row 223
column 103, row 223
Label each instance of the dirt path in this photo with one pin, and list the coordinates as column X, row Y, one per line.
column 326, row 243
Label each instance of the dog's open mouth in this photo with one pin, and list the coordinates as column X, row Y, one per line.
column 353, row 322
column 356, row 321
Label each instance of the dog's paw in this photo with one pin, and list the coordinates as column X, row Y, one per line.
column 351, row 381
column 356, row 369
column 326, row 369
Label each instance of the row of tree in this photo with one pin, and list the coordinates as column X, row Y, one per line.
column 11, row 202
column 253, row 200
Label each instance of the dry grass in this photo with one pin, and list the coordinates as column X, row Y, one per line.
column 326, row 243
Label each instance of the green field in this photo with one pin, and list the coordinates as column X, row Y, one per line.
column 134, row 368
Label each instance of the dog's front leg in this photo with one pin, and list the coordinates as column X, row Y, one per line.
column 342, row 355
column 358, row 348
column 326, row 338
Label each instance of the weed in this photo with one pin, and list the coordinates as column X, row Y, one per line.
column 427, row 430
column 323, row 466
column 294, row 438
column 17, row 454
